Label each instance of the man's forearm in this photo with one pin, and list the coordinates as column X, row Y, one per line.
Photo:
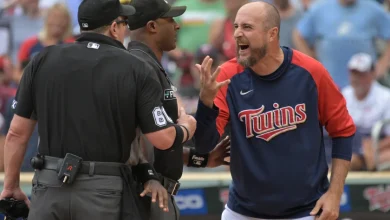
column 339, row 173
column 301, row 44
column 14, row 151
column 385, row 143
column 206, row 135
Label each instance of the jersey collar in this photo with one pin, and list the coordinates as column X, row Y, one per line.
column 100, row 38
column 141, row 46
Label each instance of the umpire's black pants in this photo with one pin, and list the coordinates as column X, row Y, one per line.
column 88, row 197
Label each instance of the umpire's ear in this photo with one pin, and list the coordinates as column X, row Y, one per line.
column 151, row 26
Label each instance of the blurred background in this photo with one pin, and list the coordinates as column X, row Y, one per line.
column 341, row 34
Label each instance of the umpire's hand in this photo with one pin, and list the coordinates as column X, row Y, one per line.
column 157, row 190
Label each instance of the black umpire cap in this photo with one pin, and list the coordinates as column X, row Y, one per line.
column 93, row 14
column 148, row 10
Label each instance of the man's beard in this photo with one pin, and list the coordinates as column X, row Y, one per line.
column 256, row 55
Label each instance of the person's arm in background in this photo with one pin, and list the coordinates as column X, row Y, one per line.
column 383, row 27
column 216, row 34
column 304, row 34
column 384, row 143
column 333, row 114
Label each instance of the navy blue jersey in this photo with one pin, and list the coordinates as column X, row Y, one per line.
column 278, row 162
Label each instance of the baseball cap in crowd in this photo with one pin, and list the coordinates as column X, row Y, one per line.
column 148, row 10
column 93, row 14
column 361, row 62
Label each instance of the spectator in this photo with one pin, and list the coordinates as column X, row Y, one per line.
column 333, row 30
column 57, row 29
column 26, row 24
column 368, row 102
column 195, row 24
column 222, row 30
column 289, row 16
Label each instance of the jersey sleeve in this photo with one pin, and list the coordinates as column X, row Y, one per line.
column 25, row 49
column 150, row 111
column 211, row 123
column 221, row 103
column 23, row 104
column 333, row 114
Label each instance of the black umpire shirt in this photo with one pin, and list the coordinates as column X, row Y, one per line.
column 89, row 97
column 168, row 163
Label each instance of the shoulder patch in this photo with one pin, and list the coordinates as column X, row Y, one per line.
column 169, row 94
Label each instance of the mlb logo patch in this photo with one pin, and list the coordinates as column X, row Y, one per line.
column 93, row 45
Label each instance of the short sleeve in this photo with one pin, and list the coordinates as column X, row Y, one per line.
column 23, row 104
column 151, row 113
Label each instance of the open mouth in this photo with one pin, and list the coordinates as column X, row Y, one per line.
column 243, row 46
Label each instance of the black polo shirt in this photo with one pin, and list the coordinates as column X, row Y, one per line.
column 169, row 163
column 89, row 97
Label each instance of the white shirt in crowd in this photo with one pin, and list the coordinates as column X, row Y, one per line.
column 375, row 107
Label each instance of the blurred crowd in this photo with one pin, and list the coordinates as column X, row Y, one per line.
column 349, row 37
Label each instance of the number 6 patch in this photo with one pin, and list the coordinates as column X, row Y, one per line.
column 161, row 117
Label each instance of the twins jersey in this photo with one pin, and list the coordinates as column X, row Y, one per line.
column 278, row 162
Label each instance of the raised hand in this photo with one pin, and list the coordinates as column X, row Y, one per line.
column 208, row 85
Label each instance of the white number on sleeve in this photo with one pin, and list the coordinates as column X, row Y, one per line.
column 159, row 118
column 166, row 115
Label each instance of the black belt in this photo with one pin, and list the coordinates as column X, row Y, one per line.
column 87, row 167
column 172, row 186
column 131, row 208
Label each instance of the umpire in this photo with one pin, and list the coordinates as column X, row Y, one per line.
column 153, row 31
column 88, row 99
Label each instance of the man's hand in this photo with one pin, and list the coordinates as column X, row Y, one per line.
column 329, row 203
column 219, row 153
column 16, row 194
column 188, row 121
column 208, row 84
column 157, row 190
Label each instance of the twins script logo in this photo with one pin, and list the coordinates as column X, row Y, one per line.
column 379, row 198
column 267, row 125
